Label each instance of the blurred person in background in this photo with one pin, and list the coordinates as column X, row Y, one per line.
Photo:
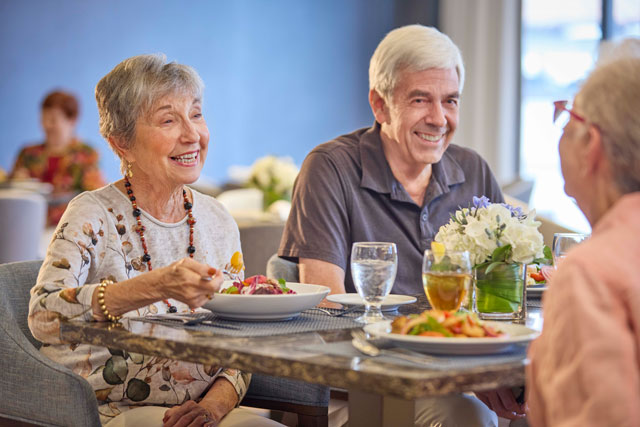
column 62, row 160
column 585, row 366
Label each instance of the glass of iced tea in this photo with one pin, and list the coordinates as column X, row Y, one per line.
column 446, row 277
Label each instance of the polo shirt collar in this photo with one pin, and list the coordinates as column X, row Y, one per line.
column 377, row 174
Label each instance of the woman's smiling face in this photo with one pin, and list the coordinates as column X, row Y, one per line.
column 171, row 140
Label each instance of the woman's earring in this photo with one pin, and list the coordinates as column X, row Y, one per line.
column 129, row 171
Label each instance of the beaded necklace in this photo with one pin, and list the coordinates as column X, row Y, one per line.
column 191, row 249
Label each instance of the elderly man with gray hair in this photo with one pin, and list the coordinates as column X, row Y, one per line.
column 585, row 368
column 397, row 181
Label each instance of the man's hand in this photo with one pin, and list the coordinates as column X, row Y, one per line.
column 188, row 414
column 503, row 403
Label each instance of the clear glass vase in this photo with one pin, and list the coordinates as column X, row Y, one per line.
column 500, row 294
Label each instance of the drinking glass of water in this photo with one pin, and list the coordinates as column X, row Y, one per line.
column 562, row 242
column 373, row 268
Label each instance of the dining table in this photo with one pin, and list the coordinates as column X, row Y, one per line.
column 382, row 390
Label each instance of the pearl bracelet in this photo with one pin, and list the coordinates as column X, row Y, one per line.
column 103, row 286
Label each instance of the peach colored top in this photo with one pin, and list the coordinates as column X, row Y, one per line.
column 585, row 366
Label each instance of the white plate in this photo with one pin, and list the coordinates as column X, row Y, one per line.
column 516, row 334
column 266, row 307
column 390, row 302
column 536, row 290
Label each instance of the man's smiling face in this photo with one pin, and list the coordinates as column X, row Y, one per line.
column 422, row 114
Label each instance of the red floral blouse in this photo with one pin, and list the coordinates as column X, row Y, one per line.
column 73, row 171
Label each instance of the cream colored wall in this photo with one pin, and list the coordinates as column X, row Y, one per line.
column 487, row 33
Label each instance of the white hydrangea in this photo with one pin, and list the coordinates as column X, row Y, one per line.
column 480, row 230
column 274, row 174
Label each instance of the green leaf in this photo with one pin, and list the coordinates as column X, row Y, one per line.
column 116, row 352
column 430, row 325
column 138, row 390
column 230, row 290
column 547, row 252
column 501, row 253
column 492, row 266
column 283, row 285
column 115, row 370
column 499, row 290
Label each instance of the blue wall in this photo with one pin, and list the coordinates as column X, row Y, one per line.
column 282, row 75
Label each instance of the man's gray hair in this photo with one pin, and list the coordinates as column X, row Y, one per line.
column 610, row 98
column 129, row 91
column 413, row 48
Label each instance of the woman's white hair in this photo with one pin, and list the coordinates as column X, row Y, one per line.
column 129, row 91
column 610, row 98
column 413, row 48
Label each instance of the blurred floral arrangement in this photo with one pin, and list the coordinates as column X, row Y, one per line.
column 274, row 176
column 493, row 233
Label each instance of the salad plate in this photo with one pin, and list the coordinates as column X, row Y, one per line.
column 389, row 303
column 514, row 334
column 266, row 307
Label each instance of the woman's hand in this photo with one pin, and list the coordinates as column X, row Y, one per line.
column 189, row 281
column 503, row 403
column 189, row 414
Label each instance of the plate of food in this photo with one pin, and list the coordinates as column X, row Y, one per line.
column 441, row 332
column 389, row 303
column 537, row 277
column 262, row 298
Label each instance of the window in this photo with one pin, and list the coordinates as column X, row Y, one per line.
column 560, row 41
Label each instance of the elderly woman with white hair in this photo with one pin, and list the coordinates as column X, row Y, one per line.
column 585, row 366
column 134, row 248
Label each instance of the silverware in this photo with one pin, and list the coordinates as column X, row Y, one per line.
column 188, row 320
column 336, row 314
column 366, row 346
column 202, row 320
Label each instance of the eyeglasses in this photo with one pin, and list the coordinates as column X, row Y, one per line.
column 560, row 115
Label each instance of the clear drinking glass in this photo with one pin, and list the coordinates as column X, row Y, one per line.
column 562, row 242
column 446, row 277
column 373, row 268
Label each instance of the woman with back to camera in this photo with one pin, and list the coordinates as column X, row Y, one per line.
column 144, row 245
column 585, row 366
column 62, row 160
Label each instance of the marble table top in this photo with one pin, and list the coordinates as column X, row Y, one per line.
column 288, row 356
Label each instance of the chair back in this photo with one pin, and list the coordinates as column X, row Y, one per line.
column 33, row 388
column 259, row 241
column 23, row 216
column 281, row 268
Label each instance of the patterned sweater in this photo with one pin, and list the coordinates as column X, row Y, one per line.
column 95, row 239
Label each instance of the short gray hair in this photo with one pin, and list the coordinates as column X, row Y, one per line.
column 413, row 48
column 610, row 98
column 131, row 88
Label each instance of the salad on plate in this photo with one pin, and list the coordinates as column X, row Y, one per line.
column 441, row 323
column 258, row 285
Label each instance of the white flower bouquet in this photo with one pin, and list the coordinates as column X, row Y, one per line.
column 274, row 176
column 493, row 232
column 501, row 240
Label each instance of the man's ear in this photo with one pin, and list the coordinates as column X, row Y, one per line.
column 379, row 107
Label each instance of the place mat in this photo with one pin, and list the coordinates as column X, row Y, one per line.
column 517, row 353
column 307, row 321
column 534, row 302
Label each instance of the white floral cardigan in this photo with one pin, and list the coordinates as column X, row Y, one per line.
column 96, row 239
